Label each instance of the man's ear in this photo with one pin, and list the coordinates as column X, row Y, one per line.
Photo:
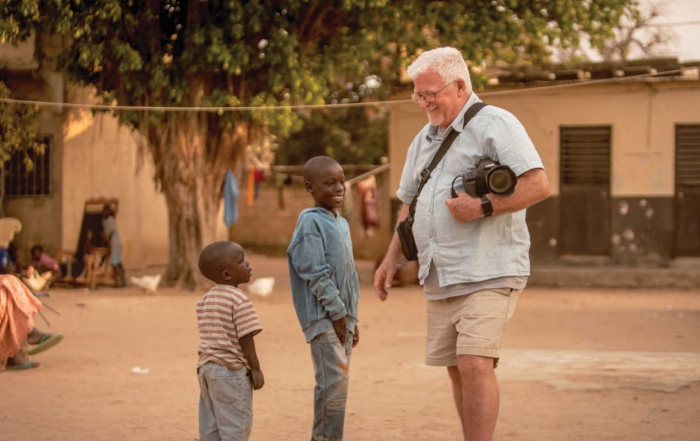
column 225, row 275
column 308, row 187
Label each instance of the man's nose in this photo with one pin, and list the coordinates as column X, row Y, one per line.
column 423, row 103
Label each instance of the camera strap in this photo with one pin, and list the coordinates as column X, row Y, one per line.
column 446, row 143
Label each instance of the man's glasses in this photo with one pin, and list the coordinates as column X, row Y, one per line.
column 428, row 97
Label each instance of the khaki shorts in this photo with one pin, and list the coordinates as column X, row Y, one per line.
column 472, row 324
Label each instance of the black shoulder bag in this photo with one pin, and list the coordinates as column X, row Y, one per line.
column 405, row 228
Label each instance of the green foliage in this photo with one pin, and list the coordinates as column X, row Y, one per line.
column 272, row 53
column 18, row 129
column 351, row 135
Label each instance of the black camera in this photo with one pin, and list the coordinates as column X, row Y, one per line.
column 488, row 177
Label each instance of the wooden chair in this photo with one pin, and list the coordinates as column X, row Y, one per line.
column 96, row 269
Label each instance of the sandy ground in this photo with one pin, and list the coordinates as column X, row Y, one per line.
column 577, row 365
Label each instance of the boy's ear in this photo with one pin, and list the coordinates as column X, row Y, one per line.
column 225, row 275
column 308, row 187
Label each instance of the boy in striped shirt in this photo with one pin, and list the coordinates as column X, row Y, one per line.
column 228, row 369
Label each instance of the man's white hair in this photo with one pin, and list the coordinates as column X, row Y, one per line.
column 446, row 61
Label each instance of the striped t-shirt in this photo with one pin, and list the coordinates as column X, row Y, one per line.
column 225, row 315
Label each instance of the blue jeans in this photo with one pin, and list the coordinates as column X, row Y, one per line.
column 332, row 369
column 225, row 403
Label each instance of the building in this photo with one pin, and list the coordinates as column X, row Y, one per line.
column 622, row 156
column 88, row 156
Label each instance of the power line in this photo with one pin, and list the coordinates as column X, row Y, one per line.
column 678, row 23
column 326, row 106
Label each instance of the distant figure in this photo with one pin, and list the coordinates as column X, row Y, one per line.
column 228, row 368
column 111, row 236
column 325, row 289
column 43, row 263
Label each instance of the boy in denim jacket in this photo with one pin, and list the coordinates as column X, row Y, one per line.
column 325, row 288
column 228, row 369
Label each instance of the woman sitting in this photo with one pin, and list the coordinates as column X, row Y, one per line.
column 18, row 306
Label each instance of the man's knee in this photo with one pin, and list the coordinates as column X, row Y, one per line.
column 474, row 365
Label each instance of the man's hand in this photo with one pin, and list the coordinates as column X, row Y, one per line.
column 339, row 328
column 464, row 208
column 356, row 336
column 258, row 379
column 383, row 278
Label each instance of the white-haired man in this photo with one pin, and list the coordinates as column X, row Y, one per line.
column 473, row 252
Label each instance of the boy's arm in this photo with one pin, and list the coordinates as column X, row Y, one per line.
column 309, row 262
column 248, row 346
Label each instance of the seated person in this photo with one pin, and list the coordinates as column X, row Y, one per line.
column 43, row 263
column 17, row 331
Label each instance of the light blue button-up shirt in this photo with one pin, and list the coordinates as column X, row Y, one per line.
column 482, row 249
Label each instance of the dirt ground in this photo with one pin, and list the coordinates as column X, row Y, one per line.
column 577, row 365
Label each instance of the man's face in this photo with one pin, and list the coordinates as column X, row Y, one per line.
column 446, row 105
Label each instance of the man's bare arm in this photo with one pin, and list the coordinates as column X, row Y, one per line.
column 532, row 187
column 385, row 273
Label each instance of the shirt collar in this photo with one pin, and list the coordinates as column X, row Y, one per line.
column 458, row 123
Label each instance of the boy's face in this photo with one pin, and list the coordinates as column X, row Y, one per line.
column 236, row 269
column 36, row 254
column 327, row 186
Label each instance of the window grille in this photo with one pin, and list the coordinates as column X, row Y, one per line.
column 20, row 182
column 688, row 155
column 585, row 155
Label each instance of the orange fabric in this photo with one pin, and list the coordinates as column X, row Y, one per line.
column 251, row 189
column 17, row 307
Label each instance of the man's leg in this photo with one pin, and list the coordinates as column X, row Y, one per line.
column 456, row 379
column 480, row 397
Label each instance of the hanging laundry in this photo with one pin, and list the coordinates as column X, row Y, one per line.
column 258, row 177
column 251, row 184
column 230, row 198
column 368, row 198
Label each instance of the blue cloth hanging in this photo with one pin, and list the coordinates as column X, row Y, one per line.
column 231, row 191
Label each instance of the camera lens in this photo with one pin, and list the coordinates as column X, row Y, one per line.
column 501, row 181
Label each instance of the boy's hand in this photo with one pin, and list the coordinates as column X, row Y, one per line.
column 258, row 379
column 356, row 336
column 339, row 328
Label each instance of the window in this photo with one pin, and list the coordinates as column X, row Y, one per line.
column 585, row 155
column 20, row 182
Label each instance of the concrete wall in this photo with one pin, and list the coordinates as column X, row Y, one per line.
column 100, row 160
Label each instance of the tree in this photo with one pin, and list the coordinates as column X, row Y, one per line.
column 230, row 53
column 19, row 133
column 637, row 30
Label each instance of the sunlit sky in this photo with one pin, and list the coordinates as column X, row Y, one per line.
column 686, row 44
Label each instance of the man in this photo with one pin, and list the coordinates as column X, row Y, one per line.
column 473, row 252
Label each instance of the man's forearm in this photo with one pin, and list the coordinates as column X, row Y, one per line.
column 532, row 187
column 394, row 249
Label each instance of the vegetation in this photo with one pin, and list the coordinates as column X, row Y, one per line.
column 19, row 126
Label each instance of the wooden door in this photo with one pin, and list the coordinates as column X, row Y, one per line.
column 585, row 190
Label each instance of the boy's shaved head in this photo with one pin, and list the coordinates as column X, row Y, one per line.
column 317, row 164
column 213, row 258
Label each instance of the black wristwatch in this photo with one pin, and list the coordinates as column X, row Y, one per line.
column 486, row 206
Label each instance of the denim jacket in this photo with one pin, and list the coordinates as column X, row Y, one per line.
column 322, row 272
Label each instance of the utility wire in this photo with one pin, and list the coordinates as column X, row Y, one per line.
column 665, row 25
column 327, row 106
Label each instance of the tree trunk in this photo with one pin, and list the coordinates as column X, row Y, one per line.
column 192, row 155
